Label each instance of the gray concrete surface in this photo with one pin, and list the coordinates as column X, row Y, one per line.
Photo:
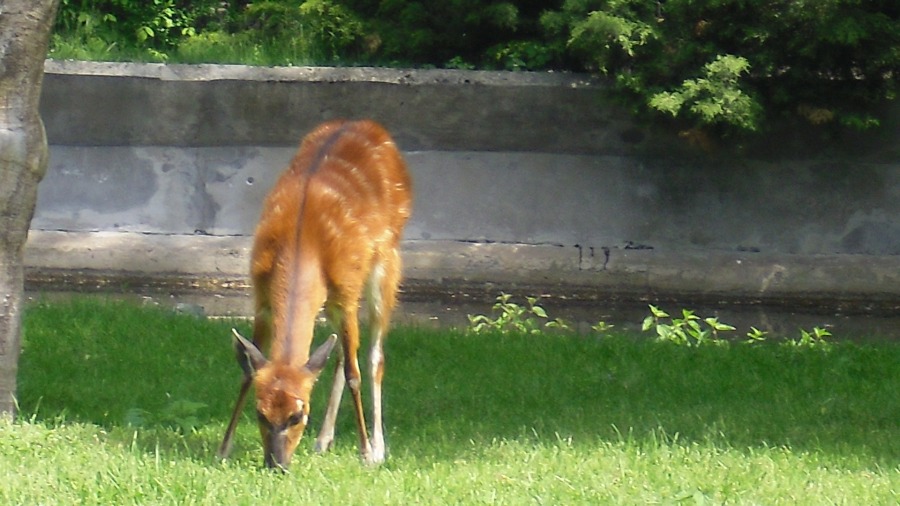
column 523, row 181
column 177, row 263
column 508, row 197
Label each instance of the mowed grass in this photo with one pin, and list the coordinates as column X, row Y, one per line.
column 126, row 405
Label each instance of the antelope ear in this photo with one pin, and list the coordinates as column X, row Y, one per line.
column 318, row 358
column 248, row 355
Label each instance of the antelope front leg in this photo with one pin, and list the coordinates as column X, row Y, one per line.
column 227, row 440
column 326, row 435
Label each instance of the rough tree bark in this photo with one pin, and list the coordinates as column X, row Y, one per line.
column 24, row 36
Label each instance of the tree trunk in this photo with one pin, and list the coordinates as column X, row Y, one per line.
column 24, row 36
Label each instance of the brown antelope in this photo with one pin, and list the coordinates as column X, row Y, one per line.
column 330, row 229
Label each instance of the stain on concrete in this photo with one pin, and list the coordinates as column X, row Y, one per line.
column 872, row 237
column 105, row 181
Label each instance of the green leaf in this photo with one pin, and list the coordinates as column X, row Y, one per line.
column 668, row 102
column 144, row 33
column 715, row 324
column 657, row 312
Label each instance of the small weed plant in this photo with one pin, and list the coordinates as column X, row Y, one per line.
column 687, row 330
column 511, row 317
column 816, row 338
column 690, row 330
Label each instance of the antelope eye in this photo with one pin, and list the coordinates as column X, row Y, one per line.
column 296, row 419
column 262, row 419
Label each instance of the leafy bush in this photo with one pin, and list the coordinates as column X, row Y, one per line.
column 155, row 24
column 732, row 66
column 237, row 48
column 715, row 97
column 270, row 32
column 710, row 66
column 330, row 27
column 522, row 55
column 456, row 33
column 279, row 33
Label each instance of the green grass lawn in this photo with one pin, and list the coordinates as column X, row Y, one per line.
column 126, row 405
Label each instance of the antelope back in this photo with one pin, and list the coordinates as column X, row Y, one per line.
column 335, row 213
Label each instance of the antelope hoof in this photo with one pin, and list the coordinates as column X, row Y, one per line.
column 223, row 452
column 323, row 446
column 373, row 457
column 377, row 458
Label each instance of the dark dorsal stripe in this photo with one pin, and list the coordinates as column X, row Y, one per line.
column 317, row 162
column 323, row 151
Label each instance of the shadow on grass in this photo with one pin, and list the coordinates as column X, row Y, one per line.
column 446, row 393
column 479, row 388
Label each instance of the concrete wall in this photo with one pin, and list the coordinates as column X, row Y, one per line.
column 533, row 169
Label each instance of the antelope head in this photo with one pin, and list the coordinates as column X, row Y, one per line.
column 282, row 396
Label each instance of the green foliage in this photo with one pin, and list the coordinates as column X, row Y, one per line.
column 813, row 339
column 604, row 35
column 601, row 327
column 231, row 48
column 511, row 317
column 688, row 331
column 756, row 336
column 718, row 67
column 153, row 24
column 522, row 55
column 731, row 66
column 331, row 27
column 271, row 32
column 456, row 33
column 717, row 97
column 285, row 33
column 271, row 19
column 274, row 32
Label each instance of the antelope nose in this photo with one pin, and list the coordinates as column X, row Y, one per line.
column 274, row 463
column 277, row 456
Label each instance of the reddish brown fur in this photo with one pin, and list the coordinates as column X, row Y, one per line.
column 333, row 218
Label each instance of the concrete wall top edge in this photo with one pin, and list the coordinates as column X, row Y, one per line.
column 410, row 77
column 154, row 104
column 138, row 104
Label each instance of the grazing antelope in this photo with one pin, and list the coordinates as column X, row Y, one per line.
column 330, row 228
